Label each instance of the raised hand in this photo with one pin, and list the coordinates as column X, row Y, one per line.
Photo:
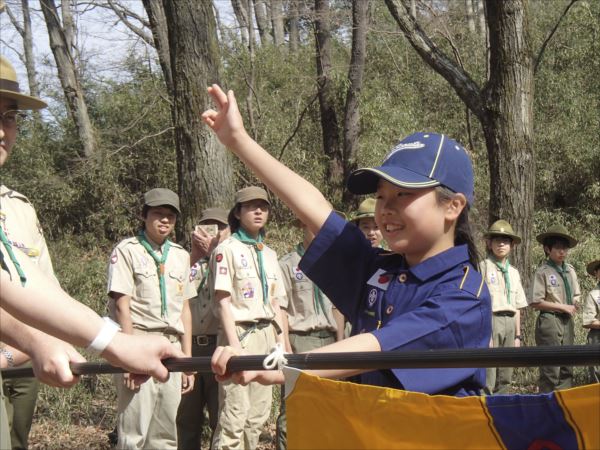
column 226, row 121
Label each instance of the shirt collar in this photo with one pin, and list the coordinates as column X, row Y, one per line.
column 441, row 262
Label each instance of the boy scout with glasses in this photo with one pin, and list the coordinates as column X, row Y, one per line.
column 591, row 315
column 190, row 416
column 149, row 284
column 508, row 297
column 247, row 284
column 555, row 293
column 20, row 231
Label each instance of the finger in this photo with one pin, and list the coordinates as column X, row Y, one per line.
column 232, row 101
column 218, row 95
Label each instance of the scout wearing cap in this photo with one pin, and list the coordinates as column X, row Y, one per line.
column 247, row 283
column 591, row 315
column 555, row 293
column 508, row 297
column 205, row 326
column 149, row 285
column 21, row 236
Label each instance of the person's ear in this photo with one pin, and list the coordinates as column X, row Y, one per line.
column 455, row 206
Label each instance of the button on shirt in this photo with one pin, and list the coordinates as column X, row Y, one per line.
column 300, row 302
column 494, row 279
column 548, row 285
column 203, row 317
column 234, row 269
column 132, row 272
column 439, row 303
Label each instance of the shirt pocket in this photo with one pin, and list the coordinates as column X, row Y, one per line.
column 176, row 279
column 146, row 282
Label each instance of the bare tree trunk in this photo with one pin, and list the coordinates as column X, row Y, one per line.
column 160, row 34
column 503, row 106
column 67, row 73
column 68, row 24
column 240, row 11
column 470, row 17
column 293, row 18
column 262, row 21
column 204, row 168
column 277, row 19
column 334, row 173
column 28, row 50
column 413, row 8
column 360, row 23
column 483, row 30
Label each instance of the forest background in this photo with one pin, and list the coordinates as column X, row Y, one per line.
column 325, row 85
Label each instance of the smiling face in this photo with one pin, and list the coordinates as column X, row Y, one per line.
column 414, row 222
column 253, row 216
column 371, row 231
column 8, row 134
column 159, row 223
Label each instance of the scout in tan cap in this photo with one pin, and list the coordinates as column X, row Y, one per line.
column 556, row 294
column 591, row 315
column 248, row 287
column 190, row 415
column 508, row 297
column 364, row 219
column 21, row 231
column 149, row 287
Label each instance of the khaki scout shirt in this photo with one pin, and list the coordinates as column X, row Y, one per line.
column 300, row 302
column 204, row 320
column 22, row 228
column 132, row 272
column 591, row 309
column 234, row 269
column 494, row 279
column 548, row 285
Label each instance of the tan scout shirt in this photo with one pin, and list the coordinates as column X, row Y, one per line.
column 591, row 309
column 132, row 272
column 22, row 228
column 300, row 301
column 234, row 269
column 548, row 285
column 494, row 279
column 204, row 320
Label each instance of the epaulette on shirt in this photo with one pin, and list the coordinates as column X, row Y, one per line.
column 472, row 281
column 5, row 192
column 134, row 240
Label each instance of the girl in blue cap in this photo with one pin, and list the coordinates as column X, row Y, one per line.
column 423, row 294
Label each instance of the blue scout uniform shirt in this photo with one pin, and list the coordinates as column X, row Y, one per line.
column 439, row 303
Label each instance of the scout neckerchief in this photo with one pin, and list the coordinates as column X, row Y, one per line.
column 563, row 270
column 12, row 257
column 244, row 238
column 504, row 270
column 317, row 294
column 160, row 268
column 204, row 275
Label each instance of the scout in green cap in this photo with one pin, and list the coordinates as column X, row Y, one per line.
column 21, row 233
column 149, row 288
column 508, row 297
column 591, row 315
column 364, row 219
column 556, row 294
column 190, row 415
column 247, row 284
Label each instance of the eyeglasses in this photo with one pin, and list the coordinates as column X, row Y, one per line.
column 12, row 118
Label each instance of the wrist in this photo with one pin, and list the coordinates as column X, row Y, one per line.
column 519, row 337
column 8, row 356
column 104, row 337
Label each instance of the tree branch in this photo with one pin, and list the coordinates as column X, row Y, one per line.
column 123, row 14
column 14, row 21
column 467, row 89
column 540, row 54
column 298, row 123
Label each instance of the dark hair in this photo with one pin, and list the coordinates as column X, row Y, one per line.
column 551, row 241
column 462, row 231
column 145, row 210
column 234, row 222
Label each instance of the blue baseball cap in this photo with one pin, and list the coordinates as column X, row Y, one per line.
column 419, row 161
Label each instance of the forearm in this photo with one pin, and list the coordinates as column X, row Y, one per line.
column 543, row 305
column 123, row 312
column 227, row 322
column 283, row 325
column 186, row 319
column 18, row 357
column 340, row 322
column 518, row 322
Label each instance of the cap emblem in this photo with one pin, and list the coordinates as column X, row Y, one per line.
column 404, row 146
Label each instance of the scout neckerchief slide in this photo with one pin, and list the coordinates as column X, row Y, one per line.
column 12, row 257
column 563, row 271
column 160, row 268
column 504, row 270
column 317, row 294
column 244, row 238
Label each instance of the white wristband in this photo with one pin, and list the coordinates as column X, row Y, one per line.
column 103, row 338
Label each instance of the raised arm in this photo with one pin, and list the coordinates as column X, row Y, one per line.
column 303, row 198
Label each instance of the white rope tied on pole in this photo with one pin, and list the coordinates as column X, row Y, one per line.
column 276, row 358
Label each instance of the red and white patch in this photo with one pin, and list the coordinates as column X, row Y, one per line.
column 380, row 279
column 219, row 257
column 222, row 270
column 114, row 258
